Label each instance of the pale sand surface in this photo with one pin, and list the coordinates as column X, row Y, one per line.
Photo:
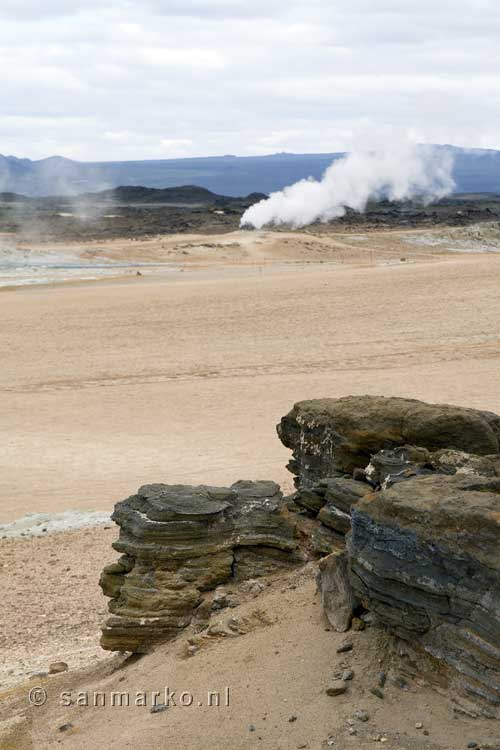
column 276, row 675
column 182, row 378
column 108, row 386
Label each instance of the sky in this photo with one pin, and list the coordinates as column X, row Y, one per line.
column 138, row 79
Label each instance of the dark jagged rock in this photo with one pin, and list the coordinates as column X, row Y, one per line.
column 425, row 558
column 340, row 496
column 325, row 540
column 332, row 437
column 329, row 502
column 459, row 462
column 178, row 541
column 389, row 466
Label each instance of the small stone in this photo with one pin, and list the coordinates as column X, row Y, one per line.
column 158, row 708
column 357, row 624
column 65, row 727
column 345, row 647
column 361, row 715
column 377, row 692
column 330, row 741
column 252, row 728
column 352, row 731
column 337, row 687
column 57, row 667
column 426, row 732
column 220, row 599
column 384, row 739
column 382, row 679
column 292, row 718
column 347, row 674
column 191, row 650
column 418, row 725
column 472, row 744
column 252, row 586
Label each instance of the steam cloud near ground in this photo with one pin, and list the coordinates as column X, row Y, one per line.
column 398, row 174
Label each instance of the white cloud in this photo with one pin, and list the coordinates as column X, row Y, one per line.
column 196, row 77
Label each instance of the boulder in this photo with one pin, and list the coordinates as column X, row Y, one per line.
column 337, row 596
column 425, row 559
column 332, row 437
column 178, row 541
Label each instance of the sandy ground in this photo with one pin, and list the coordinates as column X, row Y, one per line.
column 271, row 684
column 310, row 245
column 182, row 378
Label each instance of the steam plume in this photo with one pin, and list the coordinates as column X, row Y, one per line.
column 400, row 173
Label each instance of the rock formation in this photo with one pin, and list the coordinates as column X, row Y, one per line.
column 399, row 499
column 331, row 437
column 178, row 541
column 420, row 485
column 425, row 559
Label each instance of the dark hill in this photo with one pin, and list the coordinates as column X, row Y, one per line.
column 13, row 198
column 182, row 194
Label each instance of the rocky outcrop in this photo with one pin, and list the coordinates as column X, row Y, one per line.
column 420, row 486
column 178, row 541
column 425, row 558
column 399, row 499
column 332, row 437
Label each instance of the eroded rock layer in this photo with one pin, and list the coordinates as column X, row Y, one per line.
column 425, row 558
column 178, row 541
column 331, row 437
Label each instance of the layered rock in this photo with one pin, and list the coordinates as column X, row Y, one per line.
column 425, row 558
column 331, row 437
column 329, row 502
column 389, row 466
column 178, row 541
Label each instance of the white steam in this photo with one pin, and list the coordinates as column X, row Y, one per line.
column 397, row 174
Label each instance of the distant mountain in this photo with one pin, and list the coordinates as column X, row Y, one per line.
column 475, row 171
column 184, row 195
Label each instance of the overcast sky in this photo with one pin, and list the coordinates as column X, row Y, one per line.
column 158, row 78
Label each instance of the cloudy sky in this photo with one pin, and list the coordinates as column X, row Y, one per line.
column 158, row 78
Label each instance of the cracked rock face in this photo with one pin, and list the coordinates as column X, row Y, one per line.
column 178, row 541
column 331, row 437
column 425, row 558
